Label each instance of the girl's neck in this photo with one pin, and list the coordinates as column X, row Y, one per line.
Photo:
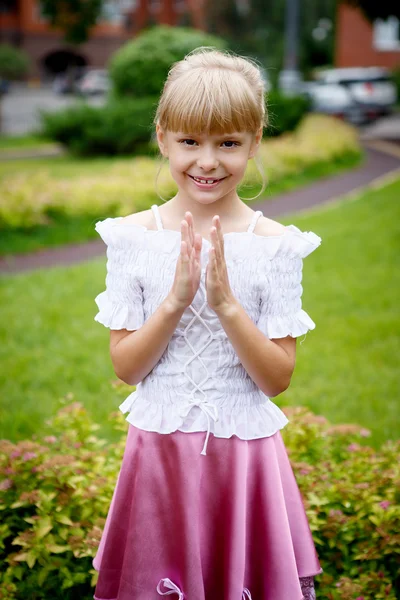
column 230, row 210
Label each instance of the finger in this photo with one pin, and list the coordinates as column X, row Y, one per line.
column 194, row 258
column 215, row 241
column 185, row 234
column 213, row 261
column 189, row 219
column 184, row 253
column 197, row 244
column 219, row 236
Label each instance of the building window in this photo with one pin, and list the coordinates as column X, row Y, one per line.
column 114, row 11
column 386, row 34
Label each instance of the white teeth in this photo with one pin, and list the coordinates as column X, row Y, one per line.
column 209, row 181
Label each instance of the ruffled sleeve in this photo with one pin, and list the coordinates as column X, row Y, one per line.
column 121, row 304
column 281, row 312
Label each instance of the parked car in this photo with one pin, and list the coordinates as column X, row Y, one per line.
column 67, row 81
column 358, row 95
column 95, row 81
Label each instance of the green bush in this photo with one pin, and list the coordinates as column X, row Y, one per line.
column 285, row 112
column 54, row 497
column 14, row 63
column 141, row 66
column 55, row 494
column 122, row 126
column 125, row 125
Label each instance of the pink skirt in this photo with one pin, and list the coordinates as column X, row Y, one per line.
column 230, row 525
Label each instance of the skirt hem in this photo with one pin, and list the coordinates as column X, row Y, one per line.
column 221, row 521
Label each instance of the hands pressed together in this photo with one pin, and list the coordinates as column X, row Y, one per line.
column 188, row 268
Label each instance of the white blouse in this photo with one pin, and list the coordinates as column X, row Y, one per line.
column 199, row 383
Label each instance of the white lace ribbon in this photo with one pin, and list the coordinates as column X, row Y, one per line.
column 209, row 409
column 171, row 586
column 247, row 592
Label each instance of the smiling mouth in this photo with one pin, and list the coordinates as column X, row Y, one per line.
column 209, row 180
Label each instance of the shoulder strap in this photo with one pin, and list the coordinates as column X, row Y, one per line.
column 157, row 216
column 254, row 220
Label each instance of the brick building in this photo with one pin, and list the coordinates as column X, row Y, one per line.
column 362, row 44
column 22, row 24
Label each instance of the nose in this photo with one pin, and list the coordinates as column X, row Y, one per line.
column 207, row 160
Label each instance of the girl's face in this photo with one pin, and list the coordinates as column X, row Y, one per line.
column 208, row 168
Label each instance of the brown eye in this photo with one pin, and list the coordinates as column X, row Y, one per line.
column 187, row 140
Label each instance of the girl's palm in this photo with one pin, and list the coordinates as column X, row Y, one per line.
column 188, row 268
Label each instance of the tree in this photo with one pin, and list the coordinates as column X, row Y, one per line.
column 223, row 18
column 255, row 29
column 373, row 9
column 139, row 67
column 74, row 17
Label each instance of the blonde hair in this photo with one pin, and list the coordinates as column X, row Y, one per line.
column 213, row 92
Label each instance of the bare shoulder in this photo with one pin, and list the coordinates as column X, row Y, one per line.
column 267, row 227
column 144, row 218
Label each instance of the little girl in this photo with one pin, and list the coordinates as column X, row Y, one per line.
column 203, row 299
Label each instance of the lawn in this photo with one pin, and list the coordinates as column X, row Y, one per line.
column 53, row 351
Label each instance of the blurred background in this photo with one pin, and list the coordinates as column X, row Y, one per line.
column 79, row 85
column 344, row 56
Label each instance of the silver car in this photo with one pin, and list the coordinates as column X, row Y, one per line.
column 358, row 95
column 94, row 81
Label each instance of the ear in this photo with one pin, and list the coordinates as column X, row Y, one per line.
column 256, row 143
column 161, row 140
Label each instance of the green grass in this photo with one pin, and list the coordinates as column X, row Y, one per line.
column 53, row 351
column 348, row 366
column 65, row 230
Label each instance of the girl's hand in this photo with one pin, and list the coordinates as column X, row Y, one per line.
column 219, row 293
column 188, row 268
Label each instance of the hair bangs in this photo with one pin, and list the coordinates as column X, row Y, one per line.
column 209, row 102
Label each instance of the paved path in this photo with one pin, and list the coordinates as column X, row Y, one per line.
column 386, row 128
column 42, row 151
column 379, row 162
column 21, row 106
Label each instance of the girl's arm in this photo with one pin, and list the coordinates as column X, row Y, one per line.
column 136, row 344
column 135, row 353
column 267, row 350
column 270, row 363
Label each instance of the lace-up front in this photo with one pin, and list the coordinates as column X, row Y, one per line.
column 197, row 395
column 199, row 383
